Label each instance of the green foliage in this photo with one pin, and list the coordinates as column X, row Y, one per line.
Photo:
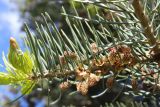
column 110, row 43
column 132, row 104
column 5, row 78
column 18, row 59
column 48, row 43
column 117, row 26
column 19, row 68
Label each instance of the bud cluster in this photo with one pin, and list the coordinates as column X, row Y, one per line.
column 117, row 59
column 121, row 56
column 86, row 79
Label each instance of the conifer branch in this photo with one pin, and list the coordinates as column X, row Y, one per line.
column 148, row 29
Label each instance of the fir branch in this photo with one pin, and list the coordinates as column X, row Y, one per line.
column 144, row 20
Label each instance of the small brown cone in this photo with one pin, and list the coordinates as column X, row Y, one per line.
column 94, row 48
column 93, row 79
column 62, row 60
column 134, row 84
column 70, row 55
column 64, row 85
column 110, row 82
column 82, row 87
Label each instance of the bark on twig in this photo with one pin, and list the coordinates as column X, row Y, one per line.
column 148, row 30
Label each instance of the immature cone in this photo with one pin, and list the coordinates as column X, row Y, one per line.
column 93, row 79
column 98, row 62
column 134, row 84
column 64, row 85
column 120, row 57
column 62, row 60
column 82, row 87
column 81, row 73
column 110, row 82
column 94, row 48
column 113, row 57
column 70, row 55
column 124, row 49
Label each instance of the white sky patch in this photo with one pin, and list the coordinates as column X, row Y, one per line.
column 11, row 18
column 9, row 3
column 1, row 27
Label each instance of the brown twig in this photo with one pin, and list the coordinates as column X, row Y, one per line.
column 148, row 30
column 52, row 75
column 105, row 66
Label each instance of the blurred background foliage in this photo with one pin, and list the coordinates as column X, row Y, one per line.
column 31, row 11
